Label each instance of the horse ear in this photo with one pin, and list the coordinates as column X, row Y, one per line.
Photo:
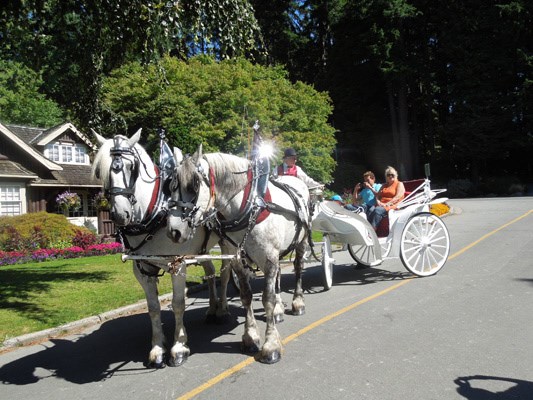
column 132, row 141
column 100, row 139
column 197, row 156
column 178, row 156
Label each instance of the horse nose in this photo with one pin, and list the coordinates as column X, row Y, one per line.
column 175, row 235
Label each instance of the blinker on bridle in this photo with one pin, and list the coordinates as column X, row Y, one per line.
column 117, row 166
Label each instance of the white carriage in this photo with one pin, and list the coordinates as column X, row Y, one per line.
column 419, row 238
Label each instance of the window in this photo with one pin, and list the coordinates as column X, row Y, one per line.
column 10, row 200
column 67, row 153
column 53, row 152
column 79, row 154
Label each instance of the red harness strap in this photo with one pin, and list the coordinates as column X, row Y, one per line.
column 155, row 192
column 268, row 198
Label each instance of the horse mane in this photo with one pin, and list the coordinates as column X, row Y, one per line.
column 230, row 171
column 102, row 160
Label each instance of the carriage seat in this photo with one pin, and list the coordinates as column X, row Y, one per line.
column 410, row 186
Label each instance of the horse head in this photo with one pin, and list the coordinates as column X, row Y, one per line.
column 117, row 165
column 189, row 195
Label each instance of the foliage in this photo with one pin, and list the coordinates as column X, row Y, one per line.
column 36, row 230
column 100, row 201
column 215, row 103
column 458, row 188
column 21, row 101
column 84, row 239
column 416, row 81
column 68, row 201
column 22, row 257
column 439, row 209
column 76, row 43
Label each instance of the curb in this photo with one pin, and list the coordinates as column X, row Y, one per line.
column 75, row 326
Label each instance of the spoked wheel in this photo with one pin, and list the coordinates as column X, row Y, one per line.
column 425, row 244
column 327, row 263
column 365, row 254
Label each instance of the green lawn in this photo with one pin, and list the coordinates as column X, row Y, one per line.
column 43, row 295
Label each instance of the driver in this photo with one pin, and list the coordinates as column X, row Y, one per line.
column 289, row 167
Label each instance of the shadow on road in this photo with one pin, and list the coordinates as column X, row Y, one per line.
column 519, row 390
column 117, row 346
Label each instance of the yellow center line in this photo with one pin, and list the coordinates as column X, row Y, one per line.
column 489, row 234
column 236, row 368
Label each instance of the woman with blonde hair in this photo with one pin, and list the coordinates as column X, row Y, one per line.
column 388, row 197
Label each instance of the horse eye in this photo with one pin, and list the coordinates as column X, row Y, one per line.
column 173, row 184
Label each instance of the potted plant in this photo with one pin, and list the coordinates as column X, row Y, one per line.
column 68, row 201
column 100, row 202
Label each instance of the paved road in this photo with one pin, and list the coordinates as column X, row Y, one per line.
column 465, row 333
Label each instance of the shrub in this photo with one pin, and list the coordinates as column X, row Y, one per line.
column 43, row 228
column 458, row 188
column 84, row 239
column 501, row 185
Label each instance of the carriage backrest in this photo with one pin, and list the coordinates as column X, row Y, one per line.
column 410, row 186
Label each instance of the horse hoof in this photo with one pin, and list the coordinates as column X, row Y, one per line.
column 278, row 318
column 271, row 358
column 177, row 361
column 155, row 365
column 298, row 311
column 249, row 348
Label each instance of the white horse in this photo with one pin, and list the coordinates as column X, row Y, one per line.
column 213, row 190
column 138, row 208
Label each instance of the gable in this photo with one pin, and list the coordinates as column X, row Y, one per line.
column 65, row 131
column 28, row 150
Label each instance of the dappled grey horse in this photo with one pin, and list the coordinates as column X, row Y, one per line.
column 138, row 207
column 217, row 190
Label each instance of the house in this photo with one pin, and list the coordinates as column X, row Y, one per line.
column 37, row 164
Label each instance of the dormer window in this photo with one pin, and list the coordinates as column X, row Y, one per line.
column 67, row 153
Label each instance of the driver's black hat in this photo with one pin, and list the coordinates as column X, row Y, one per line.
column 289, row 152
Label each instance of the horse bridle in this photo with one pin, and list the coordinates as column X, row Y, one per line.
column 189, row 208
column 117, row 166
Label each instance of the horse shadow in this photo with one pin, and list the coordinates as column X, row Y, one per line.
column 118, row 346
column 520, row 390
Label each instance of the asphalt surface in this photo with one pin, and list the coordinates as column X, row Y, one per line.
column 377, row 334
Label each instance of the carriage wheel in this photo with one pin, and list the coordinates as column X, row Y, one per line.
column 362, row 254
column 367, row 255
column 327, row 263
column 425, row 244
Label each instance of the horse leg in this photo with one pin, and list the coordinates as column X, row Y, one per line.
column 272, row 348
column 222, row 304
column 251, row 340
column 298, row 305
column 279, row 309
column 149, row 285
column 180, row 351
column 209, row 270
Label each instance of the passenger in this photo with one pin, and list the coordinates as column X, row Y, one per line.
column 364, row 194
column 388, row 197
column 337, row 199
column 289, row 167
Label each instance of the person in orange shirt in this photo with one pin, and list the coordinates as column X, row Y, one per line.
column 388, row 197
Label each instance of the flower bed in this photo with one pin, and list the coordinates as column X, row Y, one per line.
column 439, row 209
column 21, row 257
